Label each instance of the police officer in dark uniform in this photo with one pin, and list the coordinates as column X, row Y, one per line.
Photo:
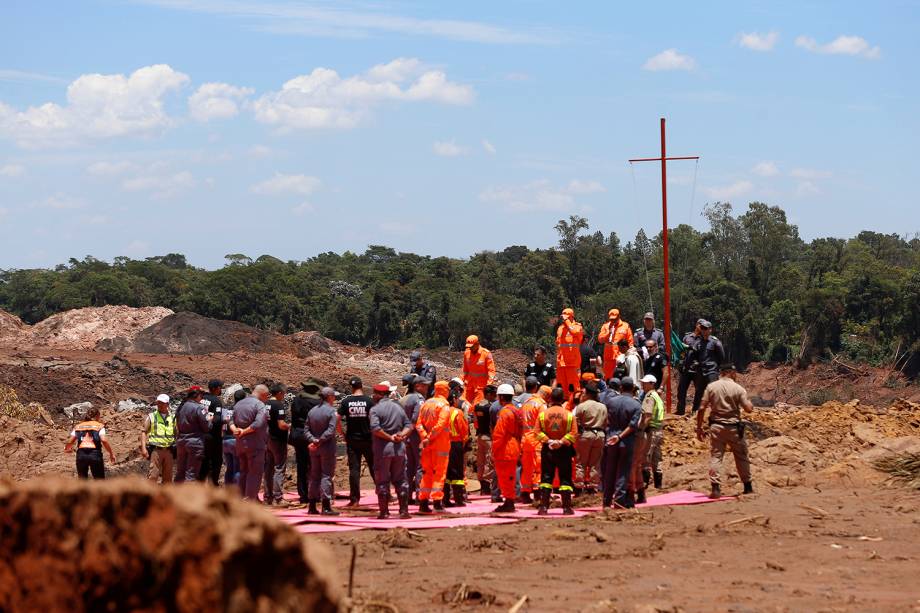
column 700, row 366
column 191, row 426
column 542, row 370
column 300, row 408
column 214, row 439
column 423, row 369
column 355, row 413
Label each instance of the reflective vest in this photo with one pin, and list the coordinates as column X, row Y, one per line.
column 459, row 428
column 658, row 412
column 556, row 423
column 530, row 412
column 162, row 431
column 92, row 429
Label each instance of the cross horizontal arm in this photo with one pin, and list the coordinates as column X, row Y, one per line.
column 687, row 157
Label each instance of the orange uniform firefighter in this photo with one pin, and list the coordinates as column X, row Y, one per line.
column 432, row 428
column 478, row 369
column 459, row 428
column 557, row 430
column 568, row 352
column 531, row 410
column 506, row 446
column 611, row 333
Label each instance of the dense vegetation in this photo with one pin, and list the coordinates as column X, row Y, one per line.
column 770, row 294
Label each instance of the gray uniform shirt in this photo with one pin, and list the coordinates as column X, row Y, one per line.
column 321, row 422
column 389, row 417
column 411, row 405
column 192, row 421
column 250, row 411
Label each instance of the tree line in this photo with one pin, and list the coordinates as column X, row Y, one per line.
column 771, row 295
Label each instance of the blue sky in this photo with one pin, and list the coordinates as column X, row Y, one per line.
column 293, row 128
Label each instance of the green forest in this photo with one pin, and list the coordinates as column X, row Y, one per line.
column 770, row 294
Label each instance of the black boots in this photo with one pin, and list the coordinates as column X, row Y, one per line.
column 485, row 489
column 404, row 506
column 716, row 492
column 382, row 504
column 327, row 507
column 640, row 497
column 447, row 502
column 545, row 494
column 525, row 498
column 658, row 478
column 646, row 476
column 506, row 507
column 748, row 487
column 438, row 505
column 312, row 510
column 567, row 503
column 459, row 495
column 424, row 507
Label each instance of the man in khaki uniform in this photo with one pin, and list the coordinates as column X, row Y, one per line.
column 591, row 417
column 158, row 441
column 725, row 398
column 636, row 487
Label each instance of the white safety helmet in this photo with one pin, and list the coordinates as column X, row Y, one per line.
column 505, row 390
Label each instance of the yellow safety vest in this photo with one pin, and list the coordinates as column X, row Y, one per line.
column 162, row 432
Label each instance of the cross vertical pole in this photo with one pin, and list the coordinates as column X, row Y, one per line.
column 667, row 272
column 665, row 249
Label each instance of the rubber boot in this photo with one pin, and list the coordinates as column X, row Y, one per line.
column 716, row 492
column 446, row 501
column 630, row 501
column 525, row 498
column 640, row 497
column 506, row 507
column 646, row 476
column 567, row 504
column 484, row 488
column 438, row 506
column 657, row 478
column 327, row 507
column 459, row 495
column 545, row 493
column 312, row 510
column 404, row 506
column 748, row 488
column 382, row 504
column 578, row 491
column 424, row 507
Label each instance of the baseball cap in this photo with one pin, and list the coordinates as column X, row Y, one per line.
column 389, row 385
column 195, row 388
column 471, row 340
column 382, row 388
column 649, row 379
column 456, row 382
column 355, row 382
column 215, row 383
column 613, row 313
column 420, row 379
column 614, row 382
column 409, row 378
column 588, row 376
column 415, row 355
column 530, row 381
column 568, row 311
column 441, row 388
column 704, row 323
column 649, row 315
column 627, row 382
column 163, row 398
column 505, row 390
column 726, row 366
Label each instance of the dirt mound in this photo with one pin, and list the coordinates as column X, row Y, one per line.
column 12, row 329
column 127, row 545
column 191, row 333
column 84, row 328
column 311, row 341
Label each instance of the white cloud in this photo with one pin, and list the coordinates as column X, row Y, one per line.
column 7, row 74
column 323, row 99
column 98, row 106
column 488, row 147
column 756, row 41
column 12, row 170
column 347, row 21
column 287, row 184
column 108, row 169
column 303, row 208
column 540, row 195
column 765, row 169
column 217, row 101
column 729, row 192
column 61, row 202
column 842, row 45
column 448, row 149
column 809, row 173
column 160, row 183
column 669, row 59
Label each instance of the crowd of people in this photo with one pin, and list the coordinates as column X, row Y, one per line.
column 589, row 422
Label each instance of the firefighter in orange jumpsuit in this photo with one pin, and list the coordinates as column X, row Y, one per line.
column 530, row 446
column 506, row 446
column 459, row 428
column 557, row 430
column 568, row 353
column 610, row 334
column 432, row 428
column 478, row 369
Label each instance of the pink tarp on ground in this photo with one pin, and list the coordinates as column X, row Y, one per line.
column 440, row 521
column 673, row 499
column 321, row 528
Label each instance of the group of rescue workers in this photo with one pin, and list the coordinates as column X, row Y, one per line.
column 588, row 423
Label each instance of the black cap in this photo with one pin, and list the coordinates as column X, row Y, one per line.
column 408, row 379
column 724, row 366
column 215, row 383
column 613, row 382
column 415, row 355
column 355, row 383
column 420, row 379
column 627, row 382
column 490, row 389
column 591, row 387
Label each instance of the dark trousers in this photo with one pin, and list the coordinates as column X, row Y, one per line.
column 252, row 465
column 455, row 464
column 389, row 470
column 302, row 459
column 553, row 460
column 699, row 381
column 322, row 471
column 355, row 451
column 230, row 461
column 90, row 461
column 212, row 460
column 189, row 454
column 413, row 465
column 617, row 464
column 275, row 467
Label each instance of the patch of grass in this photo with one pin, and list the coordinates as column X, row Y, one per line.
column 904, row 467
